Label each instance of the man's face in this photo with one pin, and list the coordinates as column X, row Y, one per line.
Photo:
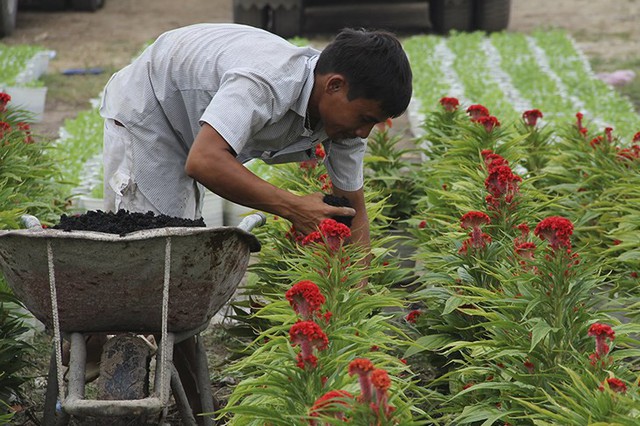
column 344, row 119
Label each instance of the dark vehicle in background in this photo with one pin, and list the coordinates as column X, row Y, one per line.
column 289, row 18
column 9, row 9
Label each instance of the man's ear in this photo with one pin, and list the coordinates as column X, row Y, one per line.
column 335, row 83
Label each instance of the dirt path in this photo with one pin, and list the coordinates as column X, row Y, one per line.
column 110, row 37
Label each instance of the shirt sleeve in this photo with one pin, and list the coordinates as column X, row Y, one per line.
column 344, row 163
column 244, row 104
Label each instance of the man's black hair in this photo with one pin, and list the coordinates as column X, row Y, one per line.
column 374, row 65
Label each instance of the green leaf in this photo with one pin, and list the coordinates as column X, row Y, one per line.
column 539, row 331
column 431, row 342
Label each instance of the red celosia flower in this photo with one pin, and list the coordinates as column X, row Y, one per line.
column 320, row 151
column 474, row 219
column 631, row 153
column 596, row 141
column 608, row 131
column 529, row 366
column 556, row 230
column 380, row 380
column 329, row 404
column 309, row 336
column 422, row 224
column 381, row 383
column 525, row 250
column 334, row 233
column 602, row 333
column 4, row 128
column 363, row 368
column 531, row 117
column 449, row 104
column 492, row 161
column 412, row 316
column 26, row 128
column 477, row 111
column 305, row 298
column 502, row 183
column 636, row 137
column 489, row 122
column 579, row 117
column 615, row 385
column 4, row 100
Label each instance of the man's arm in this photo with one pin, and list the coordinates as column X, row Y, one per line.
column 212, row 162
column 360, row 224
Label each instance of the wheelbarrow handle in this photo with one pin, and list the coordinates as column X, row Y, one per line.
column 252, row 221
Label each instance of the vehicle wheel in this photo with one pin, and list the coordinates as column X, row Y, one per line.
column 247, row 12
column 87, row 5
column 447, row 15
column 286, row 20
column 492, row 15
column 8, row 12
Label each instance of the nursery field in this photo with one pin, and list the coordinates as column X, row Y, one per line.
column 503, row 286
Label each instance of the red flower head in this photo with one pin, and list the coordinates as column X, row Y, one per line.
column 531, row 117
column 474, row 219
column 596, row 141
column 363, row 368
column 26, row 128
column 489, row 122
column 529, row 366
column 636, row 137
column 602, row 333
column 608, row 131
column 320, row 151
column 412, row 316
column 502, row 182
column 309, row 336
column 305, row 298
column 477, row 111
column 615, row 385
column 556, row 230
column 579, row 117
column 478, row 239
column 422, row 224
column 329, row 403
column 449, row 104
column 334, row 233
column 4, row 100
column 492, row 160
column 4, row 128
column 525, row 250
column 381, row 383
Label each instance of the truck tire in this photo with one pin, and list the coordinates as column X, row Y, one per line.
column 87, row 5
column 447, row 15
column 8, row 12
column 492, row 15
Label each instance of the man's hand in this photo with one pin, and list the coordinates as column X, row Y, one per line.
column 312, row 210
column 212, row 162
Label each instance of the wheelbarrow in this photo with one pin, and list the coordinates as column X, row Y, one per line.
column 168, row 282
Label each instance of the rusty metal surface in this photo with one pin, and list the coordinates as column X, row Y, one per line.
column 107, row 283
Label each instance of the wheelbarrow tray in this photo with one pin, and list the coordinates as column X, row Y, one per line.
column 108, row 283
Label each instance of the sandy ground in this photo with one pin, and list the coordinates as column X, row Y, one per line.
column 110, row 37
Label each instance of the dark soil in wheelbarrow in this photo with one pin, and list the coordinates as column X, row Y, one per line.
column 122, row 222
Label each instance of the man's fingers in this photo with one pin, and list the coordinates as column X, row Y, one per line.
column 347, row 211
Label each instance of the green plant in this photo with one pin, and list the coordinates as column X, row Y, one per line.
column 389, row 172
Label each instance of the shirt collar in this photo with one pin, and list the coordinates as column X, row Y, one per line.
column 300, row 107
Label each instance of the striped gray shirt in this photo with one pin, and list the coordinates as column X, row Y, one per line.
column 250, row 85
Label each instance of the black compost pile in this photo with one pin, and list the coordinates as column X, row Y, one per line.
column 122, row 222
column 339, row 202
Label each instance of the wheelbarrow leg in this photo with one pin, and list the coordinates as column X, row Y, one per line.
column 182, row 402
column 51, row 416
column 209, row 404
